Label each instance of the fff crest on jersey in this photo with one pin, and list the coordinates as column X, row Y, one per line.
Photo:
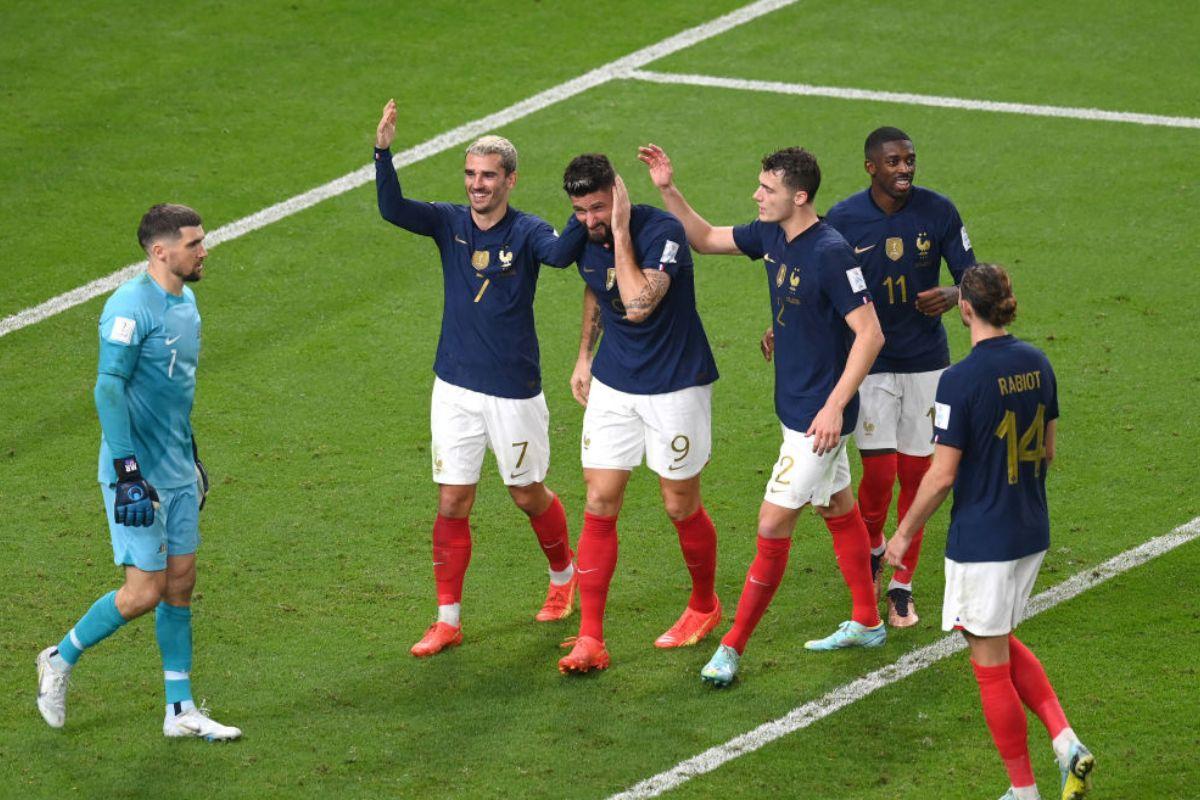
column 610, row 278
column 506, row 258
column 480, row 259
column 923, row 244
column 794, row 280
column 894, row 247
column 780, row 274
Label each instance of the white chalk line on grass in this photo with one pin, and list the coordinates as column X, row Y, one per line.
column 803, row 716
column 457, row 136
column 1027, row 109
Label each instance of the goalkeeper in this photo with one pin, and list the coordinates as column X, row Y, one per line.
column 150, row 474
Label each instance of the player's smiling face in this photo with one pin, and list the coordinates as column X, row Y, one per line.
column 594, row 212
column 487, row 183
column 185, row 256
column 893, row 168
column 776, row 202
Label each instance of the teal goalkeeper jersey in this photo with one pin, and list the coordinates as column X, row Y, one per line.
column 151, row 339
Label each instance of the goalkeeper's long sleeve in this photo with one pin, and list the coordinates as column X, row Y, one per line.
column 114, row 414
column 412, row 215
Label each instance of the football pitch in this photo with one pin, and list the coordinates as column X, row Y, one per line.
column 1066, row 133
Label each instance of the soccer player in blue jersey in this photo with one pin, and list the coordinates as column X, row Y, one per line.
column 819, row 302
column 151, row 478
column 901, row 233
column 488, row 389
column 647, row 391
column 995, row 420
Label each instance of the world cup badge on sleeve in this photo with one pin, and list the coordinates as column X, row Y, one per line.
column 610, row 278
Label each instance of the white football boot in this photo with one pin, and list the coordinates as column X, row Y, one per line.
column 52, row 690
column 196, row 722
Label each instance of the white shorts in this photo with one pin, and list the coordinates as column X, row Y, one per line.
column 895, row 412
column 801, row 476
column 987, row 598
column 673, row 430
column 463, row 423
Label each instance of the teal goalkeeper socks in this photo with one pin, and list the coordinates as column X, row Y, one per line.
column 101, row 621
column 173, row 625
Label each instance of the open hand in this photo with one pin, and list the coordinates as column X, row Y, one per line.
column 654, row 157
column 386, row 132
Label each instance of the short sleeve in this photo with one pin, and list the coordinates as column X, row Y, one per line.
column 951, row 412
column 123, row 327
column 665, row 246
column 842, row 278
column 749, row 239
column 956, row 244
column 1052, row 405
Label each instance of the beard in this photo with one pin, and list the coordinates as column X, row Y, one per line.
column 600, row 234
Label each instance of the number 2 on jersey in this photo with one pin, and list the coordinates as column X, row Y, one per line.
column 1019, row 449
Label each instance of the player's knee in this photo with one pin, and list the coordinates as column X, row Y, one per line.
column 455, row 501
column 140, row 599
column 532, row 498
column 602, row 501
column 680, row 506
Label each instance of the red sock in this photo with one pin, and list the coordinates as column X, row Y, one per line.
column 551, row 529
column 762, row 579
column 851, row 545
column 594, row 564
column 875, row 493
column 451, row 555
column 1033, row 685
column 698, row 541
column 1006, row 720
column 911, row 469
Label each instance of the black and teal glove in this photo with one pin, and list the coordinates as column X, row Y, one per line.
column 136, row 498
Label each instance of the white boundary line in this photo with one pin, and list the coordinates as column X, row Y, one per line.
column 1028, row 109
column 803, row 716
column 457, row 136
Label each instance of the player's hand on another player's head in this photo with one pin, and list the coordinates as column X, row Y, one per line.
column 386, row 132
column 767, row 345
column 659, row 164
column 621, row 205
column 581, row 382
column 826, row 429
column 937, row 301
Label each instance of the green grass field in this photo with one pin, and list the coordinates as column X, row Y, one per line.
column 319, row 333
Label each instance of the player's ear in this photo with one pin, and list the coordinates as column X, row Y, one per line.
column 800, row 198
column 869, row 166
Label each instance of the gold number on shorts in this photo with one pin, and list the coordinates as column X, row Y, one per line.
column 787, row 462
column 682, row 448
column 1020, row 449
column 521, row 458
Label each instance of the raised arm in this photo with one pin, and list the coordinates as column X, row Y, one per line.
column 559, row 250
column 826, row 427
column 641, row 289
column 703, row 237
column 411, row 215
column 589, row 333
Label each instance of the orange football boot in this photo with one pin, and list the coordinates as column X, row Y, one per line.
column 437, row 638
column 587, row 654
column 560, row 601
column 691, row 627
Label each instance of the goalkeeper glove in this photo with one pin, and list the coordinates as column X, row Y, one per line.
column 136, row 498
column 201, row 474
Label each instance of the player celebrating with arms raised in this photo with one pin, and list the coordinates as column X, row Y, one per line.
column 994, row 427
column 900, row 234
column 819, row 301
column 488, row 390
column 648, row 391
column 150, row 475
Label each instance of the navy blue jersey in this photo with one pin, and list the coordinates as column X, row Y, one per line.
column 902, row 255
column 814, row 282
column 994, row 406
column 668, row 350
column 488, row 342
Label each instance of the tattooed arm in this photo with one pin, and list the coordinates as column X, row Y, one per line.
column 641, row 289
column 590, row 329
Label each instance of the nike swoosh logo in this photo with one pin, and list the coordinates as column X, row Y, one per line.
column 674, row 467
column 585, row 571
column 588, row 269
column 439, row 563
column 777, row 491
column 460, row 240
column 173, row 341
column 512, row 475
column 858, row 251
column 756, row 580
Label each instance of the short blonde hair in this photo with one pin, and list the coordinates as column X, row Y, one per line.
column 496, row 145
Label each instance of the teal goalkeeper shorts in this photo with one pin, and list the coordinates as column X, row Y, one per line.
column 175, row 532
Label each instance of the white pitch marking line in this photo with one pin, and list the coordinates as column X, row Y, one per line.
column 803, row 716
column 460, row 135
column 1028, row 109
